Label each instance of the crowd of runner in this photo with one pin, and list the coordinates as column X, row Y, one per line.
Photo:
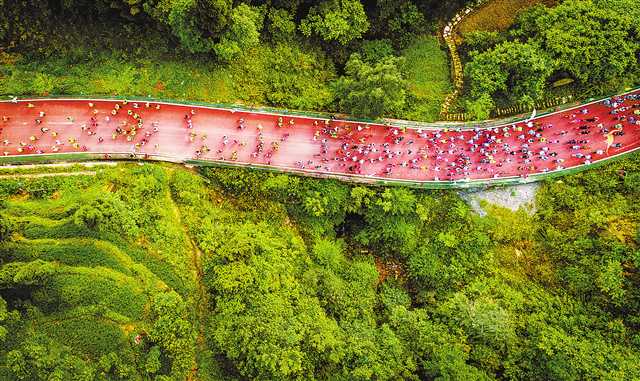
column 575, row 137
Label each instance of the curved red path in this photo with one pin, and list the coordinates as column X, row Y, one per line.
column 323, row 146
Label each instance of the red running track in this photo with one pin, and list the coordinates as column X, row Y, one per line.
column 582, row 135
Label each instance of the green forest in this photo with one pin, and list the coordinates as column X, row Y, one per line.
column 161, row 272
column 142, row 272
column 365, row 58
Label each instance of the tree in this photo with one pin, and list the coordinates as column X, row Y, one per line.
column 516, row 70
column 152, row 363
column 592, row 41
column 441, row 354
column 373, row 51
column 281, row 26
column 484, row 320
column 196, row 23
column 371, row 90
column 7, row 320
column 173, row 331
column 400, row 21
column 481, row 107
column 39, row 358
column 392, row 223
column 264, row 318
column 336, row 20
column 611, row 281
column 243, row 32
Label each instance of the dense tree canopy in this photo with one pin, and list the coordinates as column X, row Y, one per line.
column 144, row 272
column 371, row 89
column 591, row 42
column 304, row 278
column 518, row 71
column 243, row 32
column 336, row 20
column 595, row 44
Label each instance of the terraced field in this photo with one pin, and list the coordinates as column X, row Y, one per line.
column 90, row 293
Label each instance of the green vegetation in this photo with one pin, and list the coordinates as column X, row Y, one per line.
column 373, row 91
column 97, row 275
column 156, row 272
column 286, row 54
column 516, row 71
column 427, row 74
column 298, row 278
column 590, row 42
column 302, row 55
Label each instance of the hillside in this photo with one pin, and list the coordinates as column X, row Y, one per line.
column 298, row 278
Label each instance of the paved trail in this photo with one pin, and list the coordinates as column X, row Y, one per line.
column 571, row 138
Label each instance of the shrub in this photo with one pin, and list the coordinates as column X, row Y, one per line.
column 106, row 212
column 6, row 227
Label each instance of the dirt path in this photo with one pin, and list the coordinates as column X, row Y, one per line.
column 201, row 299
column 58, row 165
column 35, row 175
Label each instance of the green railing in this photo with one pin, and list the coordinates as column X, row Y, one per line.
column 459, row 184
column 324, row 115
column 228, row 106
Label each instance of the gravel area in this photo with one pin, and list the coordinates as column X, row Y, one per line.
column 512, row 197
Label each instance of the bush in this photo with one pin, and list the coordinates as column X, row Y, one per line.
column 428, row 79
column 106, row 212
column 6, row 227
column 74, row 252
column 373, row 51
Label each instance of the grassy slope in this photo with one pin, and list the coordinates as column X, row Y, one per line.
column 427, row 70
column 287, row 76
column 104, row 60
column 103, row 287
column 498, row 15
